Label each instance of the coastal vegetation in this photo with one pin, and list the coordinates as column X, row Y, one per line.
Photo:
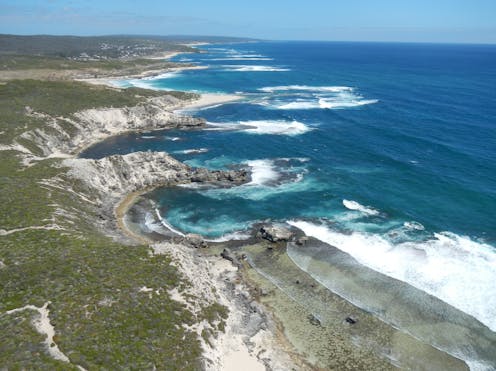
column 107, row 301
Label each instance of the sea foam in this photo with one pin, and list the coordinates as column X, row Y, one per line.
column 332, row 89
column 303, row 97
column 457, row 270
column 270, row 127
column 262, row 172
column 353, row 205
column 254, row 68
column 192, row 151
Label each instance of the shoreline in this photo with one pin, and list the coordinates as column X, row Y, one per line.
column 210, row 99
column 127, row 203
column 258, row 342
column 212, row 269
column 234, row 346
column 108, row 80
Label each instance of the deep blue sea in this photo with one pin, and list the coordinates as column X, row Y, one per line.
column 386, row 151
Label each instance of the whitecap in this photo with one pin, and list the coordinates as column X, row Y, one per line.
column 266, row 183
column 303, row 97
column 331, row 89
column 353, row 205
column 270, row 127
column 454, row 268
column 254, row 68
column 167, row 225
column 413, row 226
column 298, row 105
column 262, row 172
column 242, row 58
column 192, row 151
column 334, row 103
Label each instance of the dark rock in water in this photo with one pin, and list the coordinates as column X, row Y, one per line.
column 314, row 320
column 275, row 233
column 302, row 241
column 226, row 254
column 351, row 320
column 202, row 175
column 195, row 240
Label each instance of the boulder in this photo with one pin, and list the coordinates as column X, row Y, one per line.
column 302, row 241
column 314, row 320
column 195, row 240
column 226, row 254
column 275, row 233
column 351, row 320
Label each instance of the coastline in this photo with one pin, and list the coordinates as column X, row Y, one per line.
column 128, row 202
column 251, row 337
column 210, row 99
column 257, row 347
column 108, row 80
column 289, row 303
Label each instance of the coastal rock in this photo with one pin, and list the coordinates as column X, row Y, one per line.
column 121, row 174
column 275, row 233
column 351, row 320
column 195, row 240
column 302, row 241
column 231, row 176
column 63, row 136
column 226, row 254
column 314, row 320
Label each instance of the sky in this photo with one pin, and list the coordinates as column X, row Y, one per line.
column 453, row 21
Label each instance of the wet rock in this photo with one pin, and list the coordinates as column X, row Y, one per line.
column 275, row 233
column 314, row 320
column 195, row 240
column 302, row 241
column 226, row 254
column 351, row 320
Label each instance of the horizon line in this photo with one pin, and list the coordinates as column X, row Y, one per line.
column 247, row 38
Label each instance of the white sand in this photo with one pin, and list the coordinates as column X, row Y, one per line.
column 42, row 324
column 211, row 99
column 248, row 342
column 163, row 55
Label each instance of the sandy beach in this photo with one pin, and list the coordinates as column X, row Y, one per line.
column 210, row 99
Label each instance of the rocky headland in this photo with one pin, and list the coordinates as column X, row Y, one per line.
column 109, row 186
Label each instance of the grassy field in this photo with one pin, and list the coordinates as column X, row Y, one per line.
column 101, row 318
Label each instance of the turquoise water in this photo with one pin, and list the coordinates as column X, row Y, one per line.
column 386, row 151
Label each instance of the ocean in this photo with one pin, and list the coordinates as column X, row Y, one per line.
column 385, row 151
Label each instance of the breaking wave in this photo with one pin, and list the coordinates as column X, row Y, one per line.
column 453, row 268
column 192, row 151
column 303, row 97
column 272, row 127
column 353, row 205
column 333, row 89
column 254, row 68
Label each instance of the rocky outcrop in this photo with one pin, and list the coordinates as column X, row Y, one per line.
column 194, row 240
column 104, row 183
column 68, row 135
column 122, row 174
column 275, row 233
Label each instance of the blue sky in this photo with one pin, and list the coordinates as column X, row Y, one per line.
column 464, row 21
